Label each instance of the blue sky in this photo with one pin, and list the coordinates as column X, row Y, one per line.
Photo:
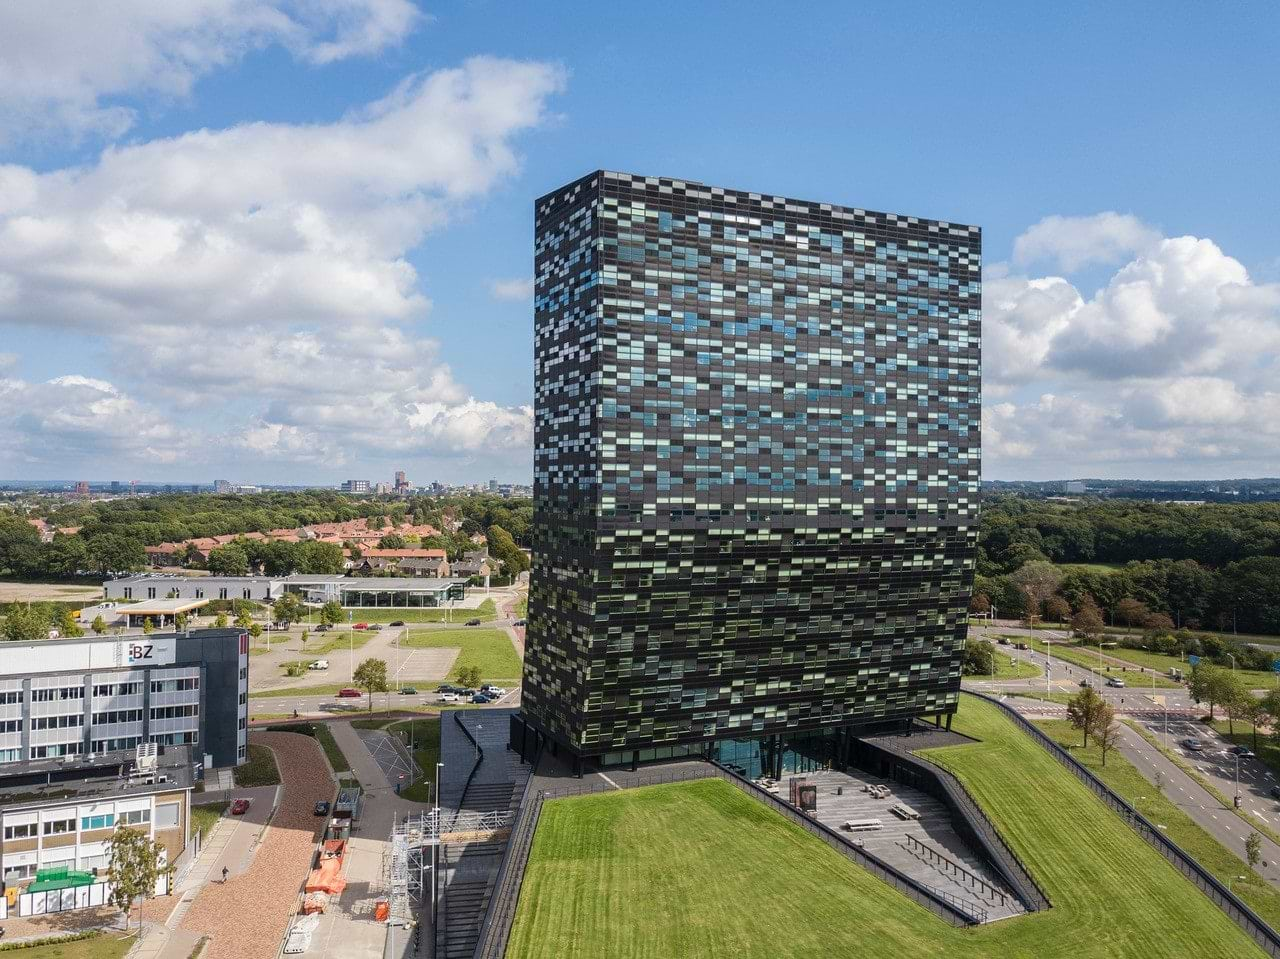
column 229, row 246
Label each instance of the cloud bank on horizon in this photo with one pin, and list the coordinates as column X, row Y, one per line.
column 283, row 250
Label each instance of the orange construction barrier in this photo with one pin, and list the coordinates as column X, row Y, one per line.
column 381, row 910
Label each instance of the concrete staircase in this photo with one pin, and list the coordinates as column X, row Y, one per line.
column 467, row 897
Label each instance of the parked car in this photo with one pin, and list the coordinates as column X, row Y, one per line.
column 1021, row 646
column 448, row 697
column 1116, row 682
column 323, row 628
column 519, row 622
column 1275, row 792
column 360, row 626
column 397, row 622
column 473, row 622
column 1084, row 683
column 322, row 808
column 480, row 699
column 319, row 664
column 239, row 807
column 408, row 691
column 446, row 688
column 349, row 693
column 465, row 693
column 1003, row 640
column 374, row 627
column 1194, row 745
column 497, row 692
column 277, row 627
column 1242, row 751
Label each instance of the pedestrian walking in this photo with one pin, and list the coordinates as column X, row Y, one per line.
column 224, row 875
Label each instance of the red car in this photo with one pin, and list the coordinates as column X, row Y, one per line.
column 360, row 626
column 349, row 693
column 239, row 807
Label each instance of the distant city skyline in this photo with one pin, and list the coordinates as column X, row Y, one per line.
column 289, row 240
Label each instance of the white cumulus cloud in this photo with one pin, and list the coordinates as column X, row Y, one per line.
column 1075, row 241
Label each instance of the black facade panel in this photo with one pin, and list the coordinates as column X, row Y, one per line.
column 756, row 464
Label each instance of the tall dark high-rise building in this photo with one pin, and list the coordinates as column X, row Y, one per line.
column 756, row 472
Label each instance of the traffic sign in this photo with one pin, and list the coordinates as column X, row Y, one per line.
column 1193, row 660
column 1275, row 666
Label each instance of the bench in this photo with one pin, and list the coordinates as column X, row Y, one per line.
column 903, row 811
column 863, row 825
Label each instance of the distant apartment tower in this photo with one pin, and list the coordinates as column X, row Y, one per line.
column 355, row 486
column 1073, row 487
column 402, row 482
column 756, row 473
column 82, row 488
column 222, row 486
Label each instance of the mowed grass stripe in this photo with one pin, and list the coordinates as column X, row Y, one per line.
column 699, row 869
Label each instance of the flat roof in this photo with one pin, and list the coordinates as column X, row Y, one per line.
column 297, row 579
column 43, row 782
column 162, row 606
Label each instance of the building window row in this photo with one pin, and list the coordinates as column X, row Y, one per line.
column 175, row 685
column 111, row 745
column 26, row 830
column 13, row 874
column 118, row 689
column 175, row 712
column 10, row 725
column 97, row 822
column 57, row 694
column 57, row 722
column 56, row 827
column 55, row 750
column 118, row 716
column 11, row 697
column 175, row 739
column 10, row 755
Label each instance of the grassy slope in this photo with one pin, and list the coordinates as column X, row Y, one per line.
column 204, row 818
column 259, row 770
column 486, row 611
column 1163, row 662
column 1007, row 667
column 107, row 945
column 1121, row 776
column 699, row 869
column 426, row 752
column 489, row 649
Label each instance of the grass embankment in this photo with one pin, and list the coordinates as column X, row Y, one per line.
column 489, row 650
column 1122, row 776
column 1009, row 667
column 259, row 769
column 342, row 639
column 205, row 817
column 92, row 945
column 522, row 607
column 1136, row 676
column 424, row 737
column 324, row 736
column 1163, row 662
column 601, row 871
column 485, row 612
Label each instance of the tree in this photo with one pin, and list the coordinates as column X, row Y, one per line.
column 1087, row 623
column 1106, row 731
column 229, row 560
column 306, row 634
column 979, row 657
column 469, row 676
column 67, row 626
column 255, row 630
column 1236, row 699
column 1083, row 710
column 318, row 559
column 371, row 675
column 111, row 553
column 331, row 613
column 179, row 621
column 1207, row 683
column 134, row 866
column 1253, row 849
column 504, row 548
column 980, row 604
column 148, row 627
column 99, row 625
column 1057, row 609
column 1132, row 612
column 26, row 624
column 220, row 621
column 288, row 609
column 391, row 541
column 376, row 522
column 1038, row 581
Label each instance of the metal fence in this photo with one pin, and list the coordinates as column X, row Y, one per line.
column 1222, row 897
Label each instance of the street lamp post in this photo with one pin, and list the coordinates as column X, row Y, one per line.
column 1233, row 661
column 351, row 648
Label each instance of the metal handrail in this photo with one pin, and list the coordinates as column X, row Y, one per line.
column 986, row 889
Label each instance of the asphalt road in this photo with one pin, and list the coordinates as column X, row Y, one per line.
column 332, row 706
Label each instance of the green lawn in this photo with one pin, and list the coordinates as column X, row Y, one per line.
column 344, row 639
column 1090, row 567
column 331, row 689
column 104, row 945
column 204, row 818
column 699, row 869
column 1088, row 657
column 1009, row 667
column 426, row 753
column 522, row 607
column 488, row 649
column 486, row 611
column 259, row 770
column 1163, row 662
column 1224, row 863
column 1268, row 749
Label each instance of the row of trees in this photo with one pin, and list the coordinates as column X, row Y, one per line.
column 1015, row 530
column 22, row 553
column 1158, row 594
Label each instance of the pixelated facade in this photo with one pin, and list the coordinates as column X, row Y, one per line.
column 756, row 466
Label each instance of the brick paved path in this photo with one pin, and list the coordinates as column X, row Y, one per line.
column 247, row 917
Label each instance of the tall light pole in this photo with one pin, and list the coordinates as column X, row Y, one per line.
column 1233, row 661
column 351, row 648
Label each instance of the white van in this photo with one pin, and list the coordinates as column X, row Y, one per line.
column 319, row 664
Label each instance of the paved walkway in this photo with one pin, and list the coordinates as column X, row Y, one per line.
column 247, row 916
column 381, row 804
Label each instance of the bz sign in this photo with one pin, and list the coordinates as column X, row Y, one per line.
column 140, row 651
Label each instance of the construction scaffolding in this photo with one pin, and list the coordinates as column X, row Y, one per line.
column 411, row 854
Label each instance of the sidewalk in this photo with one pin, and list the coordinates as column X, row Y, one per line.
column 381, row 804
